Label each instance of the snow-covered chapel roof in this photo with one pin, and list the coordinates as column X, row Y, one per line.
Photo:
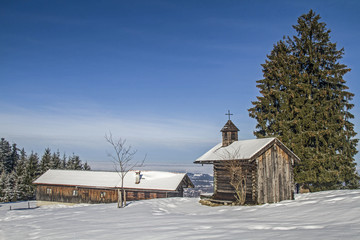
column 155, row 180
column 240, row 150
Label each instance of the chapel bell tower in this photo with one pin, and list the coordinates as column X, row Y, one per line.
column 229, row 132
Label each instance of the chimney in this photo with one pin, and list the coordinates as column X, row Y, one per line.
column 137, row 177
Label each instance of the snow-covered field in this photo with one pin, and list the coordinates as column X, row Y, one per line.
column 323, row 215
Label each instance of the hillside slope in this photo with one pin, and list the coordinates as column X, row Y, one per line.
column 322, row 215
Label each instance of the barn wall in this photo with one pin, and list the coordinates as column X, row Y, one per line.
column 150, row 194
column 222, row 187
column 66, row 194
column 275, row 176
column 90, row 195
column 132, row 195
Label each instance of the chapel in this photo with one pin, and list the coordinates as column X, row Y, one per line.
column 254, row 171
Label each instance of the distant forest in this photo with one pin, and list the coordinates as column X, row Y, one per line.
column 18, row 170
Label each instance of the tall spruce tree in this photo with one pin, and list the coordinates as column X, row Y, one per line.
column 74, row 163
column 55, row 162
column 3, row 177
column 10, row 188
column 6, row 160
column 63, row 162
column 32, row 171
column 21, row 176
column 306, row 104
column 45, row 161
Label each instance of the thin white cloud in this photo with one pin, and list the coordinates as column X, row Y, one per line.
column 81, row 130
column 88, row 130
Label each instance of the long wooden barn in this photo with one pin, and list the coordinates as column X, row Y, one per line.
column 258, row 170
column 71, row 186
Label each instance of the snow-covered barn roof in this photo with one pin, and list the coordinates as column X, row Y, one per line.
column 240, row 150
column 155, row 180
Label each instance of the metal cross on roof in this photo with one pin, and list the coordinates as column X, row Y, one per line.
column 229, row 114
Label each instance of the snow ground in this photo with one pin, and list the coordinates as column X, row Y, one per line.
column 322, row 215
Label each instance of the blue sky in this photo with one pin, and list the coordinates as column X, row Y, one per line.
column 161, row 74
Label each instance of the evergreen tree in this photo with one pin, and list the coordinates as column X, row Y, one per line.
column 86, row 167
column 55, row 162
column 14, row 157
column 74, row 163
column 305, row 103
column 32, row 172
column 21, row 163
column 45, row 161
column 10, row 189
column 63, row 162
column 21, row 176
column 6, row 163
column 3, row 177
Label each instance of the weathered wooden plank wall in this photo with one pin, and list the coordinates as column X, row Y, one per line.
column 222, row 187
column 141, row 195
column 66, row 194
column 275, row 176
column 93, row 195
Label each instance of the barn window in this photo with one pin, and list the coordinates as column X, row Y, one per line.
column 48, row 190
column 102, row 194
column 141, row 195
column 75, row 192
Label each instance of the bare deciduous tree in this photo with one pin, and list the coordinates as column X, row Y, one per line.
column 237, row 179
column 237, row 174
column 123, row 162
